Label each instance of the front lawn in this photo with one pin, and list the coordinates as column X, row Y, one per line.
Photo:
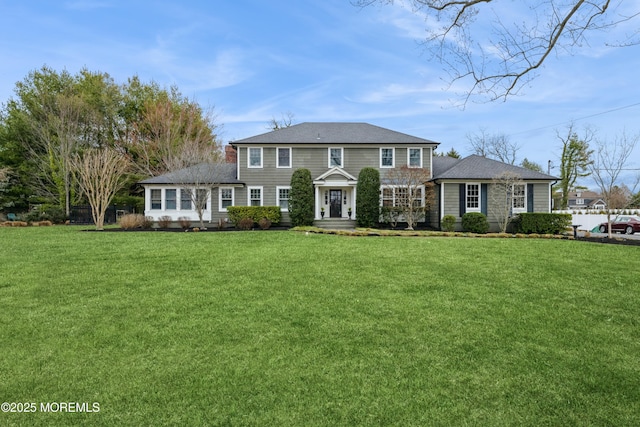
column 284, row 328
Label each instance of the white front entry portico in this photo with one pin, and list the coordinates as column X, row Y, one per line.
column 335, row 194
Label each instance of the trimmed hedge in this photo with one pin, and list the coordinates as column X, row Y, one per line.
column 301, row 198
column 368, row 197
column 542, row 223
column 475, row 222
column 256, row 213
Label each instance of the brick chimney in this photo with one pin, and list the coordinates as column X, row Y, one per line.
column 230, row 155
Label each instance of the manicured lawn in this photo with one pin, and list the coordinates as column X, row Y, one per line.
column 283, row 328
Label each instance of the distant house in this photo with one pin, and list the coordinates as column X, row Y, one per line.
column 260, row 169
column 585, row 200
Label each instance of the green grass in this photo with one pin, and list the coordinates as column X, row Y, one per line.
column 284, row 328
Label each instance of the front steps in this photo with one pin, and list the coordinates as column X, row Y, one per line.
column 335, row 223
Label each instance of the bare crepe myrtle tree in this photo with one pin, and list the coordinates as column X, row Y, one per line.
column 507, row 192
column 610, row 160
column 101, row 172
column 413, row 193
column 497, row 48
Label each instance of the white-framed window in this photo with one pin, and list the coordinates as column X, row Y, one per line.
column 519, row 198
column 254, row 195
column 202, row 198
column 170, row 201
column 473, row 198
column 185, row 199
column 225, row 198
column 399, row 196
column 336, row 157
column 254, row 157
column 414, row 157
column 283, row 197
column 579, row 201
column 156, row 198
column 283, row 157
column 387, row 157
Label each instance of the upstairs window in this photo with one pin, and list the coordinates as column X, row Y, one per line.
column 415, row 157
column 255, row 157
column 387, row 157
column 284, row 157
column 335, row 158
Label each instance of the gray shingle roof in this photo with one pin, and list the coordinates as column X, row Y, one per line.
column 204, row 173
column 478, row 167
column 330, row 133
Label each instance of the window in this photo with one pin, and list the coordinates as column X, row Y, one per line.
column 284, row 157
column 255, row 157
column 519, row 197
column 255, row 196
column 387, row 196
column 386, row 157
column 201, row 198
column 335, row 157
column 283, row 198
column 473, row 197
column 579, row 201
column 156, row 199
column 226, row 199
column 415, row 157
column 170, row 199
column 185, row 199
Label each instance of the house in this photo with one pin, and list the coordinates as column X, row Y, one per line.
column 335, row 153
column 584, row 199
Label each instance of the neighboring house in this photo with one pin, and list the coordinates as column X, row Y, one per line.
column 585, row 200
column 335, row 153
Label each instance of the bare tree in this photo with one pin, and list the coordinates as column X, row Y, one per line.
column 285, row 121
column 610, row 159
column 498, row 56
column 101, row 173
column 494, row 146
column 170, row 134
column 413, row 194
column 507, row 193
column 574, row 161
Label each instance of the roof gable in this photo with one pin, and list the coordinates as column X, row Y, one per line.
column 477, row 167
column 333, row 133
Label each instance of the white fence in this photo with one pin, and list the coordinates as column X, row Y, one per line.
column 589, row 219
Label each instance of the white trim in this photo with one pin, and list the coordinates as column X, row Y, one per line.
column 249, row 157
column 393, row 157
column 341, row 165
column 233, row 197
column 335, row 170
column 409, row 156
column 175, row 200
column 278, row 188
column 255, row 187
column 278, row 157
column 151, row 190
column 513, row 196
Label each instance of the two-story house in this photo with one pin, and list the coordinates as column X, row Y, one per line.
column 335, row 153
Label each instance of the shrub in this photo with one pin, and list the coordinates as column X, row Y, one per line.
column 47, row 212
column 541, row 223
column 256, row 213
column 245, row 224
column 368, row 197
column 147, row 222
column 164, row 221
column 264, row 223
column 184, row 222
column 448, row 223
column 301, row 198
column 390, row 215
column 475, row 222
column 131, row 221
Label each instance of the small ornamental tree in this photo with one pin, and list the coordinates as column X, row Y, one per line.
column 301, row 198
column 368, row 197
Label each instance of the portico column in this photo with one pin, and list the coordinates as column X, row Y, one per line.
column 316, row 209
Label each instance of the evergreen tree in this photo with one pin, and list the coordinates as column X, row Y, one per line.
column 301, row 198
column 368, row 197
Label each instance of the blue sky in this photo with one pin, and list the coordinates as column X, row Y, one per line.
column 323, row 60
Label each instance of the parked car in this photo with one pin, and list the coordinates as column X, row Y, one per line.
column 628, row 224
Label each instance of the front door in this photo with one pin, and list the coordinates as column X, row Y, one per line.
column 335, row 198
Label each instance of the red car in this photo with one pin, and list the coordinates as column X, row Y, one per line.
column 627, row 224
